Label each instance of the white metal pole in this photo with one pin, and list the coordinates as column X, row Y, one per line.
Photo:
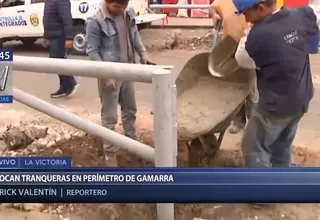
column 86, row 68
column 162, row 115
column 118, row 140
column 174, row 118
column 155, row 6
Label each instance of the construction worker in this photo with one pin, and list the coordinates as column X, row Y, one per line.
column 277, row 47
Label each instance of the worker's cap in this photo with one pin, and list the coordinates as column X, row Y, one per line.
column 243, row 5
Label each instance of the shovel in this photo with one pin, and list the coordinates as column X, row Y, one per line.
column 221, row 59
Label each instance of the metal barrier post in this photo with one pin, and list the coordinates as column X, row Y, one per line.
column 162, row 115
column 95, row 69
column 174, row 118
column 132, row 146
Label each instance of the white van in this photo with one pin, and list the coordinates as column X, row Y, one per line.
column 22, row 19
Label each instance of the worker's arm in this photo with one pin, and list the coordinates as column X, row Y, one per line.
column 93, row 37
column 138, row 45
column 64, row 10
column 242, row 57
column 214, row 13
column 137, row 41
column 245, row 61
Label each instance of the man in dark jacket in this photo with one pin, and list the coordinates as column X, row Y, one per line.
column 57, row 23
column 277, row 47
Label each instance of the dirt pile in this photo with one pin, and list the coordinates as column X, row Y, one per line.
column 31, row 139
column 175, row 40
column 196, row 43
column 193, row 43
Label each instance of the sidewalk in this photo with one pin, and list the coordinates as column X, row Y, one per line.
column 175, row 22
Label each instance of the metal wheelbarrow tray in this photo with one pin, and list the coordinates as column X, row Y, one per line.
column 206, row 106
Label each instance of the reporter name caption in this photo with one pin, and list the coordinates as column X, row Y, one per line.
column 48, row 187
column 157, row 185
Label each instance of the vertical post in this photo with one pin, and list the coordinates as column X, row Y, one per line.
column 174, row 119
column 162, row 123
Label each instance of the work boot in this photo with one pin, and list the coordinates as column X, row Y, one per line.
column 236, row 128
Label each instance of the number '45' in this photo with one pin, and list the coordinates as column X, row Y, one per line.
column 5, row 55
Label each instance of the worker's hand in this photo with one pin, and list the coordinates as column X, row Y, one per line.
column 213, row 12
column 147, row 60
column 68, row 43
column 214, row 15
column 111, row 84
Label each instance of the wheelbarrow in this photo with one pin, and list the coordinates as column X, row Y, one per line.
column 206, row 104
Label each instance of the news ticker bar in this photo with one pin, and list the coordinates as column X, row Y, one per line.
column 160, row 176
column 35, row 162
column 161, row 194
column 160, row 185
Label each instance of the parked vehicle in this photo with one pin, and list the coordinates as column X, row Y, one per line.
column 22, row 19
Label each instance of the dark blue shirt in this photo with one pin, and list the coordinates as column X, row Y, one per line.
column 279, row 47
column 57, row 19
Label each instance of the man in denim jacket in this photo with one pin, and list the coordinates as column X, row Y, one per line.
column 112, row 35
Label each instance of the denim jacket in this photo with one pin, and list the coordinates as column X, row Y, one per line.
column 103, row 42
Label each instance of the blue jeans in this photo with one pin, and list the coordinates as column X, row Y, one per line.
column 58, row 50
column 267, row 141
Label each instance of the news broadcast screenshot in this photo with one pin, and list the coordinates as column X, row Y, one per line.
column 159, row 110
